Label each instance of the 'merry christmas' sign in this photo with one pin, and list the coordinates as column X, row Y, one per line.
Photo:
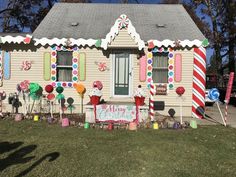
column 115, row 113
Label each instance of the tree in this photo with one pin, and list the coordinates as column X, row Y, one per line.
column 222, row 18
column 216, row 20
column 25, row 15
column 22, row 15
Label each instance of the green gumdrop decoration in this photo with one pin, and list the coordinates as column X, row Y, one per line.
column 59, row 89
column 98, row 43
column 205, row 43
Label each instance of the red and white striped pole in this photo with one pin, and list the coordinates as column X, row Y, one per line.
column 199, row 82
column 151, row 104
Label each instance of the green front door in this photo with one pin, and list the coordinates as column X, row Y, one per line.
column 121, row 73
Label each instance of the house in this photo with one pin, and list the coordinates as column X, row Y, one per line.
column 122, row 45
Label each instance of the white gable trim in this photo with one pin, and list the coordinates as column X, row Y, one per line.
column 122, row 21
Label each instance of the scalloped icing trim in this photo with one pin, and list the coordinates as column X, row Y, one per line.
column 15, row 39
column 56, row 41
column 170, row 43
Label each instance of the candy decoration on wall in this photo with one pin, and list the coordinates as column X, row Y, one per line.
column 59, row 97
column 171, row 69
column 178, row 67
column 123, row 21
column 26, row 65
column 98, row 43
column 142, row 68
column 149, row 68
column 49, row 89
column 177, row 43
column 1, row 68
column 199, row 72
column 81, row 91
column 102, row 66
column 82, row 66
column 2, row 97
column 180, row 91
column 214, row 95
column 27, row 39
column 47, row 66
column 151, row 45
column 7, row 65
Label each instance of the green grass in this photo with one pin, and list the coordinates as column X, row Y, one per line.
column 25, row 147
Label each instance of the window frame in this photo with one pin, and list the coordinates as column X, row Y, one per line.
column 170, row 53
column 54, row 66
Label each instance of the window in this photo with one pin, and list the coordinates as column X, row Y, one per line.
column 160, row 68
column 64, row 66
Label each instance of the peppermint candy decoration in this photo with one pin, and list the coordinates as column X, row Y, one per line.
column 213, row 94
column 26, row 65
column 102, row 66
column 123, row 21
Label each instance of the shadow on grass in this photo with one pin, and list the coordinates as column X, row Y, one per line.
column 52, row 156
column 6, row 146
column 17, row 157
column 201, row 111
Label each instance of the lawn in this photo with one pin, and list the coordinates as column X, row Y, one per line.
column 38, row 149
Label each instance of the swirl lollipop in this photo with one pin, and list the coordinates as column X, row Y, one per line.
column 214, row 94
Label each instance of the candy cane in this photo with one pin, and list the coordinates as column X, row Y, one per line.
column 199, row 72
column 151, row 105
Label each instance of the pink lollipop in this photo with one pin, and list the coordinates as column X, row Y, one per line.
column 98, row 84
column 24, row 85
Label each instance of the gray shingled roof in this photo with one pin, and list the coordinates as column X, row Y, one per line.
column 96, row 20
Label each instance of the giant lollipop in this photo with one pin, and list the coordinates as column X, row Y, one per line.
column 180, row 91
column 60, row 96
column 24, row 88
column 35, row 92
column 70, row 102
column 81, row 90
column 50, row 97
column 214, row 95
